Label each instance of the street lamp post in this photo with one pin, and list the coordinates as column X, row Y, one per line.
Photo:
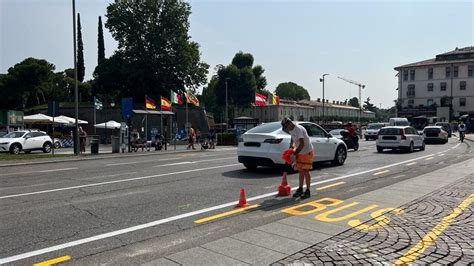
column 76, row 94
column 226, row 105
column 322, row 80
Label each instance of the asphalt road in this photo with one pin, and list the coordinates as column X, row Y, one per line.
column 136, row 209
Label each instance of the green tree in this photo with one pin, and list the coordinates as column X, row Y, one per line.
column 291, row 91
column 354, row 101
column 155, row 48
column 100, row 43
column 81, row 70
column 26, row 84
column 369, row 106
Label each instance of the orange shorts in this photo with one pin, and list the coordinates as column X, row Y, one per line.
column 304, row 161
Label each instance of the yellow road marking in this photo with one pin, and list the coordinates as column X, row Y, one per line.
column 383, row 172
column 429, row 158
column 223, row 214
column 408, row 164
column 431, row 236
column 331, row 185
column 53, row 261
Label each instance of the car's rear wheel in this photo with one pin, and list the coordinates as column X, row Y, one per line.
column 251, row 166
column 379, row 149
column 47, row 147
column 15, row 148
column 411, row 148
column 422, row 148
column 57, row 145
column 340, row 156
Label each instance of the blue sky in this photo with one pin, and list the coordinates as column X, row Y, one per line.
column 293, row 40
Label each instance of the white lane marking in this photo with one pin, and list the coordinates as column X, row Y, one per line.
column 58, row 170
column 177, row 217
column 115, row 181
column 398, row 176
column 442, row 154
column 200, row 161
column 160, row 160
column 173, row 164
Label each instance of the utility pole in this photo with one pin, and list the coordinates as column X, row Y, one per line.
column 322, row 80
column 226, row 106
column 76, row 94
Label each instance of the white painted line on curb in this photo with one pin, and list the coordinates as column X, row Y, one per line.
column 58, row 170
column 115, row 181
column 177, row 217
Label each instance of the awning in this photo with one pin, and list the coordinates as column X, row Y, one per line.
column 152, row 112
column 111, row 124
column 71, row 120
column 38, row 119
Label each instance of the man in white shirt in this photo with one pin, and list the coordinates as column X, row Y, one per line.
column 303, row 155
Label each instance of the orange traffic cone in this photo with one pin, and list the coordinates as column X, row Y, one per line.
column 242, row 200
column 284, row 189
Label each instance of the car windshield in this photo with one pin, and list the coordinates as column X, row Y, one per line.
column 401, row 123
column 14, row 135
column 265, row 128
column 431, row 130
column 389, row 131
column 374, row 126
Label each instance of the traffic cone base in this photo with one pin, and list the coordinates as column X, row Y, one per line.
column 242, row 199
column 284, row 189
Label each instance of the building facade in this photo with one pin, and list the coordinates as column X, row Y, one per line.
column 432, row 86
column 304, row 111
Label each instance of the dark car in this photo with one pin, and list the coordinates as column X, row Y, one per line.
column 446, row 127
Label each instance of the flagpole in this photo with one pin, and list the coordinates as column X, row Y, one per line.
column 95, row 116
column 161, row 117
column 186, row 125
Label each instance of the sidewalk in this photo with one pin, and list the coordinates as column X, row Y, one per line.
column 105, row 152
column 422, row 220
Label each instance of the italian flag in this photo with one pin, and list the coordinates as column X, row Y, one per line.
column 176, row 98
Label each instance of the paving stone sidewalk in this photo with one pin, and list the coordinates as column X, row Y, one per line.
column 386, row 244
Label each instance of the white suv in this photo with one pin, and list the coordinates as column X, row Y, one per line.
column 399, row 137
column 26, row 141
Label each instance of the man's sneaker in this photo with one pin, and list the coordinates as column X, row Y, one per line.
column 298, row 193
column 306, row 194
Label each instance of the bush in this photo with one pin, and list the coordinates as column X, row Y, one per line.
column 226, row 139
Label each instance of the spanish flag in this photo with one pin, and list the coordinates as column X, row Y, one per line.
column 165, row 104
column 150, row 103
column 275, row 99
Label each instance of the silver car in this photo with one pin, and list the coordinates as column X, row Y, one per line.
column 263, row 145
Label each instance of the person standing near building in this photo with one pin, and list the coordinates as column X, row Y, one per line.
column 191, row 138
column 303, row 155
column 82, row 139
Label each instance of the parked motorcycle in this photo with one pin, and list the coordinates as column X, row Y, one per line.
column 159, row 142
column 352, row 142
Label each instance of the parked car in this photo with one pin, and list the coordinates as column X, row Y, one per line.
column 446, row 127
column 373, row 130
column 263, row 145
column 435, row 134
column 398, row 121
column 26, row 141
column 399, row 137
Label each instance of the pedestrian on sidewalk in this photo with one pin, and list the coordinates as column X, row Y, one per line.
column 82, row 139
column 303, row 155
column 191, row 138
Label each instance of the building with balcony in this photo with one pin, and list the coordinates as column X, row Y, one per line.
column 442, row 86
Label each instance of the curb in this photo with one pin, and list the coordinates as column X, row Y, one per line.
column 102, row 156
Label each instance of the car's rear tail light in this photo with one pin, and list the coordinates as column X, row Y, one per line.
column 273, row 141
column 402, row 133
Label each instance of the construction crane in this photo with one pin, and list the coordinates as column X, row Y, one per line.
column 361, row 86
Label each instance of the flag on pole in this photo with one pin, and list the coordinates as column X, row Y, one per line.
column 176, row 98
column 98, row 104
column 260, row 99
column 190, row 98
column 165, row 104
column 275, row 99
column 150, row 103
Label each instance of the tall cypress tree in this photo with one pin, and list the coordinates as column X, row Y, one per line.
column 100, row 43
column 80, row 51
